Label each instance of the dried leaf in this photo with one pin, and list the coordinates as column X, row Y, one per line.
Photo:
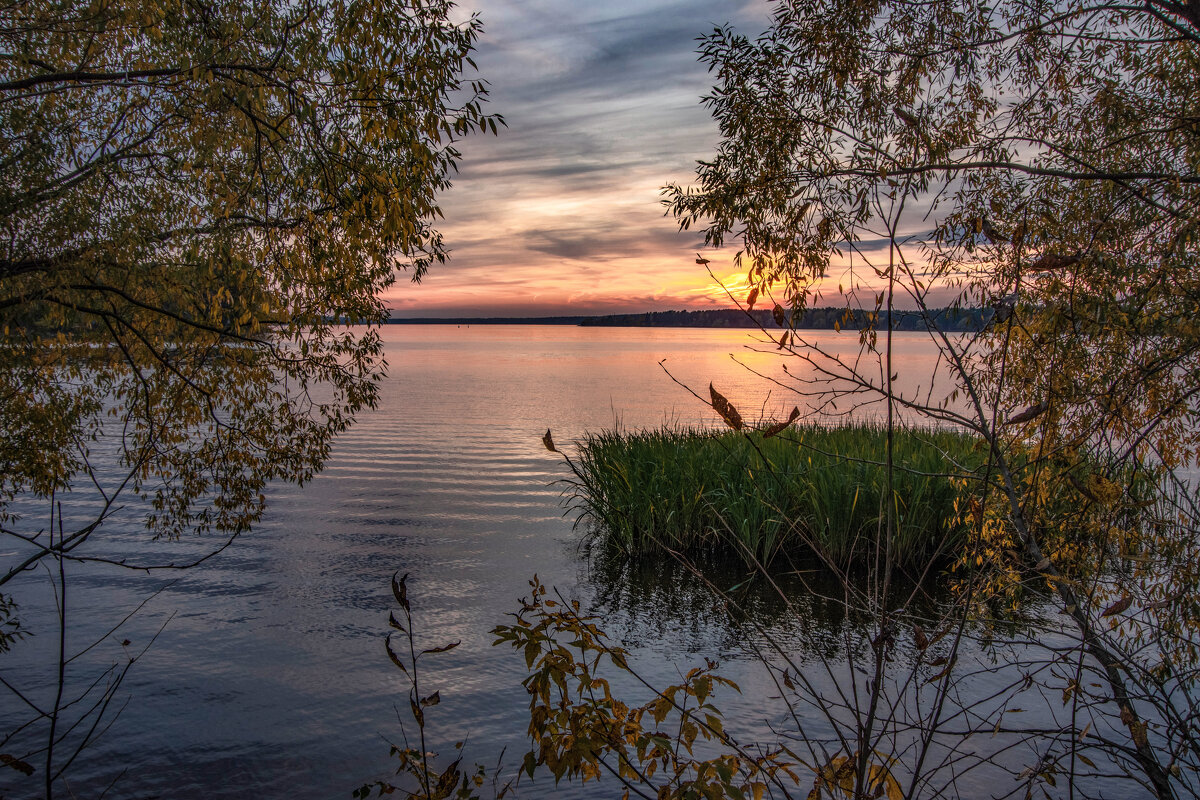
column 417, row 713
column 919, row 638
column 1033, row 412
column 778, row 314
column 448, row 780
column 1117, row 607
column 16, row 763
column 395, row 658
column 549, row 442
column 722, row 406
column 752, row 297
column 444, row 648
column 780, row 427
column 945, row 671
column 400, row 591
column 1051, row 261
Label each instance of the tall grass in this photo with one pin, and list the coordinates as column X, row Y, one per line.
column 812, row 491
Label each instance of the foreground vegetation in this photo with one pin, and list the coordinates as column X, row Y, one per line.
column 812, row 491
column 194, row 196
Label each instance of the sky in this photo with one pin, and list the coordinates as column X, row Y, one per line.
column 561, row 213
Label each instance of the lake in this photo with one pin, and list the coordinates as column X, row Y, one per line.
column 269, row 675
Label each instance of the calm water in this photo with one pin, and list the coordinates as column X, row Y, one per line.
column 269, row 675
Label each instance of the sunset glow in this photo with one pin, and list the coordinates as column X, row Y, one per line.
column 561, row 213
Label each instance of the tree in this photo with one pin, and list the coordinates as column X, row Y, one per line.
column 1039, row 158
column 196, row 198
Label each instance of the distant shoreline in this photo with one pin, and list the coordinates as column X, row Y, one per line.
column 948, row 319
column 488, row 320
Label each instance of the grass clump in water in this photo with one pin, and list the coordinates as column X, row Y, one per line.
column 813, row 490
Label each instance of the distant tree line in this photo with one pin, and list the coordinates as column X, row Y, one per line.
column 559, row 320
column 948, row 319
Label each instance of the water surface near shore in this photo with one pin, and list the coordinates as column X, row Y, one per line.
column 269, row 676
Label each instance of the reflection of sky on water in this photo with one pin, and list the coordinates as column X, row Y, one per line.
column 271, row 677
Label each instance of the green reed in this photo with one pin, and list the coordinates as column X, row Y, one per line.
column 811, row 490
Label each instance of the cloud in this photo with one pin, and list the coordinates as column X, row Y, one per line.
column 560, row 213
column 569, row 244
column 602, row 104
